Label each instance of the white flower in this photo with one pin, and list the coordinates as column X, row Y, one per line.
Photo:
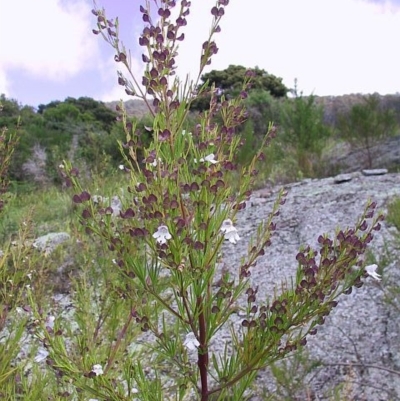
column 41, row 355
column 371, row 271
column 184, row 133
column 191, row 342
column 162, row 234
column 154, row 164
column 210, row 158
column 121, row 167
column 50, row 321
column 97, row 370
column 230, row 231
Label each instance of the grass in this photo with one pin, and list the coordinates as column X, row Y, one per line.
column 393, row 216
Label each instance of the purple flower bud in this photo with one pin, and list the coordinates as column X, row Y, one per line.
column 86, row 214
column 128, row 214
column 181, row 21
column 111, row 32
column 143, row 41
column 164, row 135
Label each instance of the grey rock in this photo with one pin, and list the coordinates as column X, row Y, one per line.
column 47, row 243
column 377, row 171
column 363, row 329
column 344, row 158
column 339, row 179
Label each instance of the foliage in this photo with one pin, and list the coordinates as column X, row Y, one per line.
column 304, row 132
column 81, row 109
column 229, row 83
column 74, row 128
column 367, row 123
column 149, row 293
column 393, row 216
column 8, row 143
column 166, row 245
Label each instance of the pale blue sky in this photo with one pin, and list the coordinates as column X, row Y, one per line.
column 333, row 47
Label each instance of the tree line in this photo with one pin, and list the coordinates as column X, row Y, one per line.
column 87, row 130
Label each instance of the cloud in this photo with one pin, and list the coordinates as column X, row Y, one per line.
column 332, row 46
column 108, row 72
column 46, row 38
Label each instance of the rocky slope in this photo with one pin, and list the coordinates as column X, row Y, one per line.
column 362, row 332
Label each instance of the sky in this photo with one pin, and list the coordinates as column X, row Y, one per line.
column 332, row 47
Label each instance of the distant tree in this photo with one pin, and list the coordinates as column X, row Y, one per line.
column 89, row 110
column 230, row 80
column 366, row 124
column 62, row 112
column 262, row 109
column 97, row 110
column 304, row 132
column 10, row 111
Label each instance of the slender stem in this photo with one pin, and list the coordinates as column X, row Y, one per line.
column 166, row 305
column 121, row 335
column 203, row 351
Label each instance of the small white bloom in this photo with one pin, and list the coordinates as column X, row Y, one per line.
column 155, row 162
column 162, row 234
column 97, row 370
column 184, row 133
column 50, row 321
column 230, row 231
column 41, row 355
column 210, row 158
column 371, row 271
column 61, row 166
column 121, row 167
column 191, row 342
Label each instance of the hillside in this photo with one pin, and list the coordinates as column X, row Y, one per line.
column 333, row 105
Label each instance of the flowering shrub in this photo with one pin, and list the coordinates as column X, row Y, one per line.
column 169, row 294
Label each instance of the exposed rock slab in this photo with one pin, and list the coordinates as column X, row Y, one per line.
column 363, row 329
